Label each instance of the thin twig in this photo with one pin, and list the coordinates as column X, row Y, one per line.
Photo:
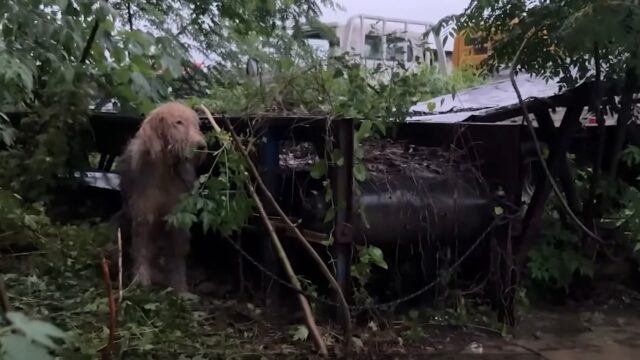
column 92, row 37
column 4, row 297
column 589, row 209
column 306, row 308
column 129, row 16
column 120, row 269
column 527, row 118
column 529, row 349
column 107, row 350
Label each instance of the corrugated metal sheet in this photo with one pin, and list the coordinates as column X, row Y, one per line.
column 483, row 99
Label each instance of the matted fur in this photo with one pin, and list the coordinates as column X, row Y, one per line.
column 157, row 167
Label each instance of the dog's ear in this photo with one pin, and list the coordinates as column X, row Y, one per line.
column 153, row 134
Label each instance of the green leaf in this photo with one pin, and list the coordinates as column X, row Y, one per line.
column 37, row 330
column 151, row 306
column 330, row 215
column 364, row 131
column 319, row 169
column 172, row 64
column 16, row 347
column 7, row 132
column 140, row 82
column 25, row 75
column 637, row 247
column 206, row 222
column 328, row 193
column 376, row 256
column 498, row 210
column 431, row 106
column 360, row 172
column 62, row 4
column 336, row 157
column 140, row 38
column 300, row 333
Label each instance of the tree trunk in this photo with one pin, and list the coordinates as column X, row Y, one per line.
column 624, row 117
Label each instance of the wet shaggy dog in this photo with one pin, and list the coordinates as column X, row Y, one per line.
column 158, row 166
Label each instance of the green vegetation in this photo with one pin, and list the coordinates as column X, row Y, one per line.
column 575, row 41
column 58, row 58
column 96, row 52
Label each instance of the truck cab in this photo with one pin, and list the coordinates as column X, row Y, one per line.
column 383, row 40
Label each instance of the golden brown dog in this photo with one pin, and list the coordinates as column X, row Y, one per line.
column 157, row 167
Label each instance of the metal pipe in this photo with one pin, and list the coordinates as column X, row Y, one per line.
column 383, row 41
column 407, row 44
column 442, row 63
column 270, row 162
column 362, row 38
column 392, row 19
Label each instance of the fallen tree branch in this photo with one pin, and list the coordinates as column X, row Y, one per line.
column 298, row 235
column 304, row 303
column 527, row 118
column 313, row 328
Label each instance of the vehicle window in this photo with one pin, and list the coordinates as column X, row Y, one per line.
column 396, row 48
column 320, row 46
column 410, row 52
column 372, row 47
column 478, row 45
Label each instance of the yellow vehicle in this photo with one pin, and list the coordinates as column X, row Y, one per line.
column 469, row 50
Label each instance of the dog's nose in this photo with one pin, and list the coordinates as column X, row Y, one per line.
column 201, row 147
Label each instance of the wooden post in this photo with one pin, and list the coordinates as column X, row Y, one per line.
column 343, row 200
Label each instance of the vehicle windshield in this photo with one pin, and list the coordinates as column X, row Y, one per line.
column 320, row 46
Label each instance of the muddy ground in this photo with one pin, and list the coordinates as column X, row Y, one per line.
column 604, row 329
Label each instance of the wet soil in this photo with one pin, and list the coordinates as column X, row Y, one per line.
column 554, row 334
column 609, row 331
column 604, row 327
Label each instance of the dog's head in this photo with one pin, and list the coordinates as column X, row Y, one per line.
column 172, row 131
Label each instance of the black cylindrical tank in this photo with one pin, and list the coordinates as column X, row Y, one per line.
column 431, row 206
column 413, row 199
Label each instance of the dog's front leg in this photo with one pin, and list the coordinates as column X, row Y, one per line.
column 177, row 264
column 142, row 251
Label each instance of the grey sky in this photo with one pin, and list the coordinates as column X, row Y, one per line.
column 422, row 10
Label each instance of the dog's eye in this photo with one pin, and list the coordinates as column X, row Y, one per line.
column 179, row 122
